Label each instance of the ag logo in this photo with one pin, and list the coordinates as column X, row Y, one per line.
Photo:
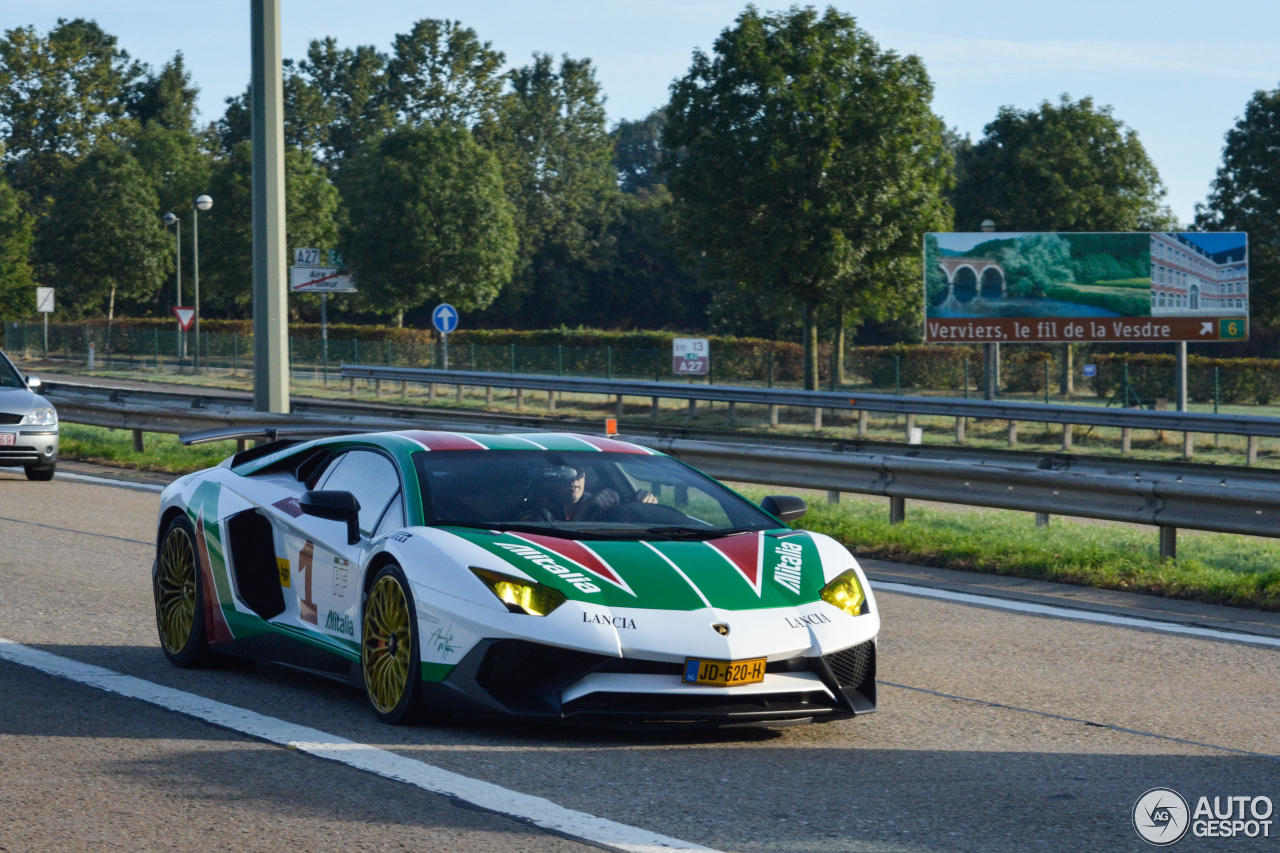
column 1161, row 817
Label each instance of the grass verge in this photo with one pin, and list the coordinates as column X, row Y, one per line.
column 1213, row 568
column 163, row 453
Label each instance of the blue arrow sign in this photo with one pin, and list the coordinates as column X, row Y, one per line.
column 445, row 318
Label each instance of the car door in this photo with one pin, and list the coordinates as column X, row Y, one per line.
column 324, row 568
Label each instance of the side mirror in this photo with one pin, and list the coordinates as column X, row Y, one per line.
column 786, row 507
column 34, row 383
column 335, row 506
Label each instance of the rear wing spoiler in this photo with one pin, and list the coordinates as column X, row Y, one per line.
column 300, row 432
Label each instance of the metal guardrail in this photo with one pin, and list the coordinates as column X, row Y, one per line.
column 1168, row 495
column 1194, row 422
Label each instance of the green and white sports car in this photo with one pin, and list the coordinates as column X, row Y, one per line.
column 543, row 575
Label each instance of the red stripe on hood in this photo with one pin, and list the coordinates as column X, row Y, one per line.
column 743, row 551
column 611, row 445
column 578, row 553
column 442, row 440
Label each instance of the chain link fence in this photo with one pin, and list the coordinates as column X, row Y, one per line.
column 1026, row 371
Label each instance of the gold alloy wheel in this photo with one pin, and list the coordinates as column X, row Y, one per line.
column 176, row 591
column 387, row 642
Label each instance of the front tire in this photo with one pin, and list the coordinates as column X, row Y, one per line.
column 389, row 653
column 179, row 596
column 41, row 473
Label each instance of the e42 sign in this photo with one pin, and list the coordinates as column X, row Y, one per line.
column 690, row 357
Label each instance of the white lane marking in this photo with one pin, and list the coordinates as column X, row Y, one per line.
column 535, row 810
column 105, row 481
column 1080, row 615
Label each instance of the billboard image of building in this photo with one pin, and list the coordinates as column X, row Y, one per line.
column 1049, row 287
column 1199, row 275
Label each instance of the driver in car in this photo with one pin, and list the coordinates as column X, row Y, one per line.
column 567, row 500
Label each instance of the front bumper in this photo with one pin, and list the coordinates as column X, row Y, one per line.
column 523, row 679
column 33, row 445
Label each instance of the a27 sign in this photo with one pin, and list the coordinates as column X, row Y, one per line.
column 690, row 356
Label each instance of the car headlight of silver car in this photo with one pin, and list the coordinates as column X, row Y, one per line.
column 40, row 417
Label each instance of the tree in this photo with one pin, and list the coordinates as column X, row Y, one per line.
column 637, row 147
column 226, row 232
column 17, row 297
column 427, row 221
column 60, row 95
column 440, row 72
column 351, row 82
column 167, row 98
column 1245, row 196
column 642, row 283
column 557, row 169
column 804, row 159
column 103, row 239
column 1035, row 262
column 1068, row 166
column 307, row 116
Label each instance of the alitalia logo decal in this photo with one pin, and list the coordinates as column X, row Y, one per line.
column 787, row 572
column 533, row 555
column 340, row 623
column 579, row 555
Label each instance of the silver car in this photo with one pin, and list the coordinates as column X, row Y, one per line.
column 28, row 424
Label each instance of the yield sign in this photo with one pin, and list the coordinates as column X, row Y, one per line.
column 185, row 316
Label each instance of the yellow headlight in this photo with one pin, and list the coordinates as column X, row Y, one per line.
column 521, row 595
column 846, row 593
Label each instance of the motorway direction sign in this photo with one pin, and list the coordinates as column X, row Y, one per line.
column 690, row 356
column 185, row 317
column 44, row 300
column 1044, row 287
column 321, row 280
column 445, row 318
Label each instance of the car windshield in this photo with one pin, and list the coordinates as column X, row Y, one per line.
column 9, row 377
column 585, row 494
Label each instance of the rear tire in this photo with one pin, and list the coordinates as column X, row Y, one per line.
column 41, row 473
column 390, row 658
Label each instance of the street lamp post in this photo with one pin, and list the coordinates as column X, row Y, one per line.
column 172, row 219
column 201, row 203
column 991, row 351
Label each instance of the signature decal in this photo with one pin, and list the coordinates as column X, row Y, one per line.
column 442, row 639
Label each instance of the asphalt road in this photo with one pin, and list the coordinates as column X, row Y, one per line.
column 997, row 731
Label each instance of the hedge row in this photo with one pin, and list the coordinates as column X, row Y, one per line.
column 1239, row 380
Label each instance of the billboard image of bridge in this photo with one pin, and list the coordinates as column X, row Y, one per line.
column 1041, row 287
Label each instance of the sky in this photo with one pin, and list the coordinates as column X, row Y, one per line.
column 1177, row 72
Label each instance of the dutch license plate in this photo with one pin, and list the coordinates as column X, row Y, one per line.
column 8, row 439
column 723, row 673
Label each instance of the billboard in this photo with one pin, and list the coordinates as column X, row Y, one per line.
column 1046, row 287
